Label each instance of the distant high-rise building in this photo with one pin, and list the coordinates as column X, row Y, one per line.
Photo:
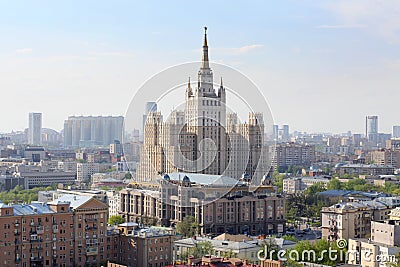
column 135, row 135
column 285, row 132
column 371, row 128
column 89, row 131
column 35, row 128
column 396, row 131
column 281, row 134
column 149, row 107
column 276, row 131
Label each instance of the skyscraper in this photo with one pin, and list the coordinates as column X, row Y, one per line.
column 35, row 129
column 396, row 131
column 89, row 131
column 196, row 140
column 285, row 132
column 371, row 128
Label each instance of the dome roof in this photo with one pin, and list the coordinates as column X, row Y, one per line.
column 186, row 179
column 339, row 165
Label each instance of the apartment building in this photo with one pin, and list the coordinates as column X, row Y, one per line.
column 295, row 185
column 365, row 253
column 89, row 228
column 380, row 249
column 84, row 171
column 365, row 169
column 290, row 154
column 149, row 246
column 385, row 157
column 352, row 219
column 36, row 234
column 69, row 231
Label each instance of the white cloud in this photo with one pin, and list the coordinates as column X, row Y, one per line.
column 382, row 17
column 342, row 26
column 111, row 53
column 247, row 48
column 24, row 50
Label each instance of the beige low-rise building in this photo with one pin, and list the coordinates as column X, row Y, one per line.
column 296, row 185
column 386, row 232
column 365, row 253
column 352, row 219
column 394, row 214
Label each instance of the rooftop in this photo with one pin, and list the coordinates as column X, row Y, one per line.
column 205, row 179
column 75, row 201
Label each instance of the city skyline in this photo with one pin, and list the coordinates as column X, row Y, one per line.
column 311, row 56
column 393, row 130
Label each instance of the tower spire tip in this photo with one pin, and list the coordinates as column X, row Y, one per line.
column 205, row 36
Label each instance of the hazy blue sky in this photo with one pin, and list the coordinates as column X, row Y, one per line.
column 323, row 65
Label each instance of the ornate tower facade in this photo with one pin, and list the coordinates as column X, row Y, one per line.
column 203, row 138
column 205, row 114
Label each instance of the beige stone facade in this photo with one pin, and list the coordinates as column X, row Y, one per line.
column 200, row 139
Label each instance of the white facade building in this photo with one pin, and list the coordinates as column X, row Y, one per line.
column 84, row 171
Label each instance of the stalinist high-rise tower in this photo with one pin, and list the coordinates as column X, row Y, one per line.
column 200, row 139
column 205, row 113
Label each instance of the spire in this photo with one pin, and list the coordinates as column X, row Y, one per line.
column 222, row 86
column 205, row 37
column 204, row 60
column 189, row 83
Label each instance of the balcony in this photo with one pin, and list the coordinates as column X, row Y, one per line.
column 94, row 227
column 40, row 258
column 92, row 251
column 35, row 240
column 91, row 220
column 36, row 249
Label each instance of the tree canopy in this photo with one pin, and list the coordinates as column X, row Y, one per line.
column 188, row 227
column 115, row 220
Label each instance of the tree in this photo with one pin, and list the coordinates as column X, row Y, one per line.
column 278, row 180
column 115, row 220
column 318, row 254
column 188, row 227
column 315, row 188
column 334, row 184
column 199, row 250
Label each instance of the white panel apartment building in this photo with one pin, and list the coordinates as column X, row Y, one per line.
column 84, row 171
